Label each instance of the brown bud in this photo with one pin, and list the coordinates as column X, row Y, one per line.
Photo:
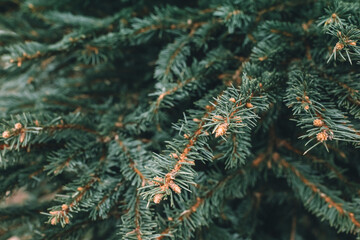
column 64, row 207
column 339, row 46
column 6, row 134
column 174, row 187
column 262, row 58
column 18, row 126
column 119, row 124
column 232, row 100
column 53, row 221
column 306, row 107
column 318, row 122
column 276, row 156
column 158, row 197
column 80, row 189
column 221, row 129
column 54, row 212
column 22, row 136
column 249, row 105
column 322, row 136
column 333, row 15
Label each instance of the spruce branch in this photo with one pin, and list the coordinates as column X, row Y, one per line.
column 343, row 213
column 167, row 181
column 184, row 217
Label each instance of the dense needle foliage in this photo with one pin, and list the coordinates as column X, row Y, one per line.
column 208, row 119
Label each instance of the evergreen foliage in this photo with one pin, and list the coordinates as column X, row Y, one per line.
column 206, row 119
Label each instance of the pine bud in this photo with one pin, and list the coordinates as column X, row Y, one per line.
column 276, row 156
column 249, row 105
column 306, row 107
column 158, row 197
column 322, row 136
column 221, row 129
column 318, row 122
column 6, row 134
column 208, row 107
column 232, row 100
column 53, row 221
column 18, row 126
column 339, row 46
column 158, row 179
column 174, row 187
column 64, row 207
column 22, row 136
column 54, row 212
column 80, row 189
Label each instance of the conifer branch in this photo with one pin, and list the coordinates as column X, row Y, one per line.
column 186, row 214
column 132, row 163
column 287, row 145
column 316, row 190
column 102, row 79
column 168, row 181
column 62, row 216
column 171, row 91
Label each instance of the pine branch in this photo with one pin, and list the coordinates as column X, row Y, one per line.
column 342, row 210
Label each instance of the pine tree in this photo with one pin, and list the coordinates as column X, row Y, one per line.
column 208, row 119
